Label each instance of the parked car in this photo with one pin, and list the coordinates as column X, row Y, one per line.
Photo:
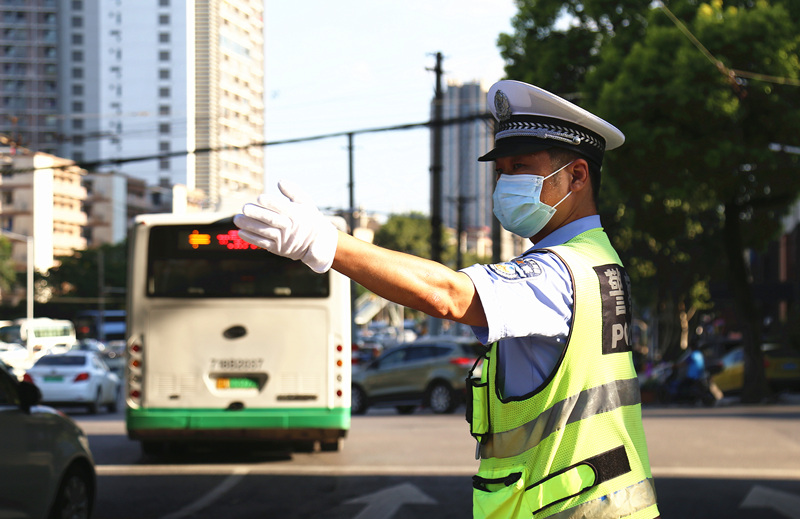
column 46, row 468
column 429, row 372
column 781, row 368
column 77, row 377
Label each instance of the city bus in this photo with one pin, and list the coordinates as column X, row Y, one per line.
column 226, row 341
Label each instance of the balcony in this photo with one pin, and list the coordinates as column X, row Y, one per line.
column 70, row 217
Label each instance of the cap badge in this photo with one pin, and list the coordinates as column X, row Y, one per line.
column 502, row 105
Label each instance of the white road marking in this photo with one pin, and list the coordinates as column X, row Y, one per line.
column 384, row 503
column 402, row 470
column 238, row 474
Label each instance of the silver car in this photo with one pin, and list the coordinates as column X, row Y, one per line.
column 429, row 372
column 46, row 468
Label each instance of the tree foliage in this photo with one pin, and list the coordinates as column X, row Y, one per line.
column 78, row 275
column 698, row 180
column 8, row 274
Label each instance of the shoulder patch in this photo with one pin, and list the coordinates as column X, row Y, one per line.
column 518, row 268
column 615, row 291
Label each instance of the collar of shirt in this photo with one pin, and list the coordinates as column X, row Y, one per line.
column 564, row 234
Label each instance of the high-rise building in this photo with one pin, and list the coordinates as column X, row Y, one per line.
column 105, row 81
column 466, row 183
column 29, row 75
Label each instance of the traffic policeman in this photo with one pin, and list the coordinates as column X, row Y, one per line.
column 556, row 410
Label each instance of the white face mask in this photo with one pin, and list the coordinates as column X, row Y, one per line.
column 518, row 206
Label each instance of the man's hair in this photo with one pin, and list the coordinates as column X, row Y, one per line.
column 560, row 156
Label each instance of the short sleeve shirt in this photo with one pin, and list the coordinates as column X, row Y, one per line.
column 528, row 303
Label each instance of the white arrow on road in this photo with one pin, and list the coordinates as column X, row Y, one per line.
column 384, row 503
column 782, row 502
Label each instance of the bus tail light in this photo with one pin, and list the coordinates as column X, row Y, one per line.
column 134, row 372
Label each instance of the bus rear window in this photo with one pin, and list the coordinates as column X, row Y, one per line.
column 210, row 261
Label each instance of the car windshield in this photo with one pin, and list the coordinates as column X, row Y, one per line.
column 61, row 360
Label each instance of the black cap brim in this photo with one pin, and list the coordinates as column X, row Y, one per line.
column 512, row 146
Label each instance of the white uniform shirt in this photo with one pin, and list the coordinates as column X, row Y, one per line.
column 528, row 305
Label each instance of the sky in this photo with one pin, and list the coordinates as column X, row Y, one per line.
column 352, row 65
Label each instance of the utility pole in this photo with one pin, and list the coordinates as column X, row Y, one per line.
column 351, row 216
column 436, row 164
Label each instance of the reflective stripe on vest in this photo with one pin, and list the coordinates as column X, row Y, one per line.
column 593, row 401
column 575, row 479
column 621, row 503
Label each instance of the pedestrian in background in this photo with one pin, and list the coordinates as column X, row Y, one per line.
column 556, row 411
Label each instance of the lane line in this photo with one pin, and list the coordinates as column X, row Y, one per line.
column 238, row 474
column 402, row 470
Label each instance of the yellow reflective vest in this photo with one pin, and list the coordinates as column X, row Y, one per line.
column 575, row 447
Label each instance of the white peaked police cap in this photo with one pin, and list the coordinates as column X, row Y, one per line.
column 531, row 119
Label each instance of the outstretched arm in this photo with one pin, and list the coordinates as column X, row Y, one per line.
column 294, row 228
column 410, row 281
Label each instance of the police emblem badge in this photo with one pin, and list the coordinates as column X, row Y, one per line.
column 502, row 105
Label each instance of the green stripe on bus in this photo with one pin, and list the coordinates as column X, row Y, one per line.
column 317, row 418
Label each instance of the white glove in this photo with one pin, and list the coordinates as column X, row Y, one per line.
column 292, row 227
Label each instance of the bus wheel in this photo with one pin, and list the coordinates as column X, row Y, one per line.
column 333, row 446
column 152, row 448
column 358, row 401
column 303, row 446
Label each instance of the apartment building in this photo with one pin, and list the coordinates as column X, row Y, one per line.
column 176, row 84
column 41, row 196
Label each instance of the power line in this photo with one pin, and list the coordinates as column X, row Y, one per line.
column 92, row 165
column 730, row 73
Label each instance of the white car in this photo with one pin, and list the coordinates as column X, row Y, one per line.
column 46, row 468
column 76, row 378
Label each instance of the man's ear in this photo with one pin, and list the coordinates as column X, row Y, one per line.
column 580, row 175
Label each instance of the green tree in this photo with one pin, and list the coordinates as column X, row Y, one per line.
column 698, row 179
column 78, row 275
column 8, row 274
column 411, row 233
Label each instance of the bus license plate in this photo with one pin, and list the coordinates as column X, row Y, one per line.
column 236, row 383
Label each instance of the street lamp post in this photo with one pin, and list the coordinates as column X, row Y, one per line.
column 28, row 240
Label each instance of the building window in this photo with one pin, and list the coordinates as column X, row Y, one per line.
column 77, row 73
column 77, row 5
column 163, row 55
column 77, row 140
column 163, row 92
column 163, row 146
column 8, row 197
column 163, row 19
column 77, row 90
column 163, row 37
column 163, row 164
column 163, row 73
column 163, row 3
column 163, row 128
column 77, row 124
column 77, row 21
column 77, row 56
column 77, row 107
column 77, row 39
column 77, row 156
